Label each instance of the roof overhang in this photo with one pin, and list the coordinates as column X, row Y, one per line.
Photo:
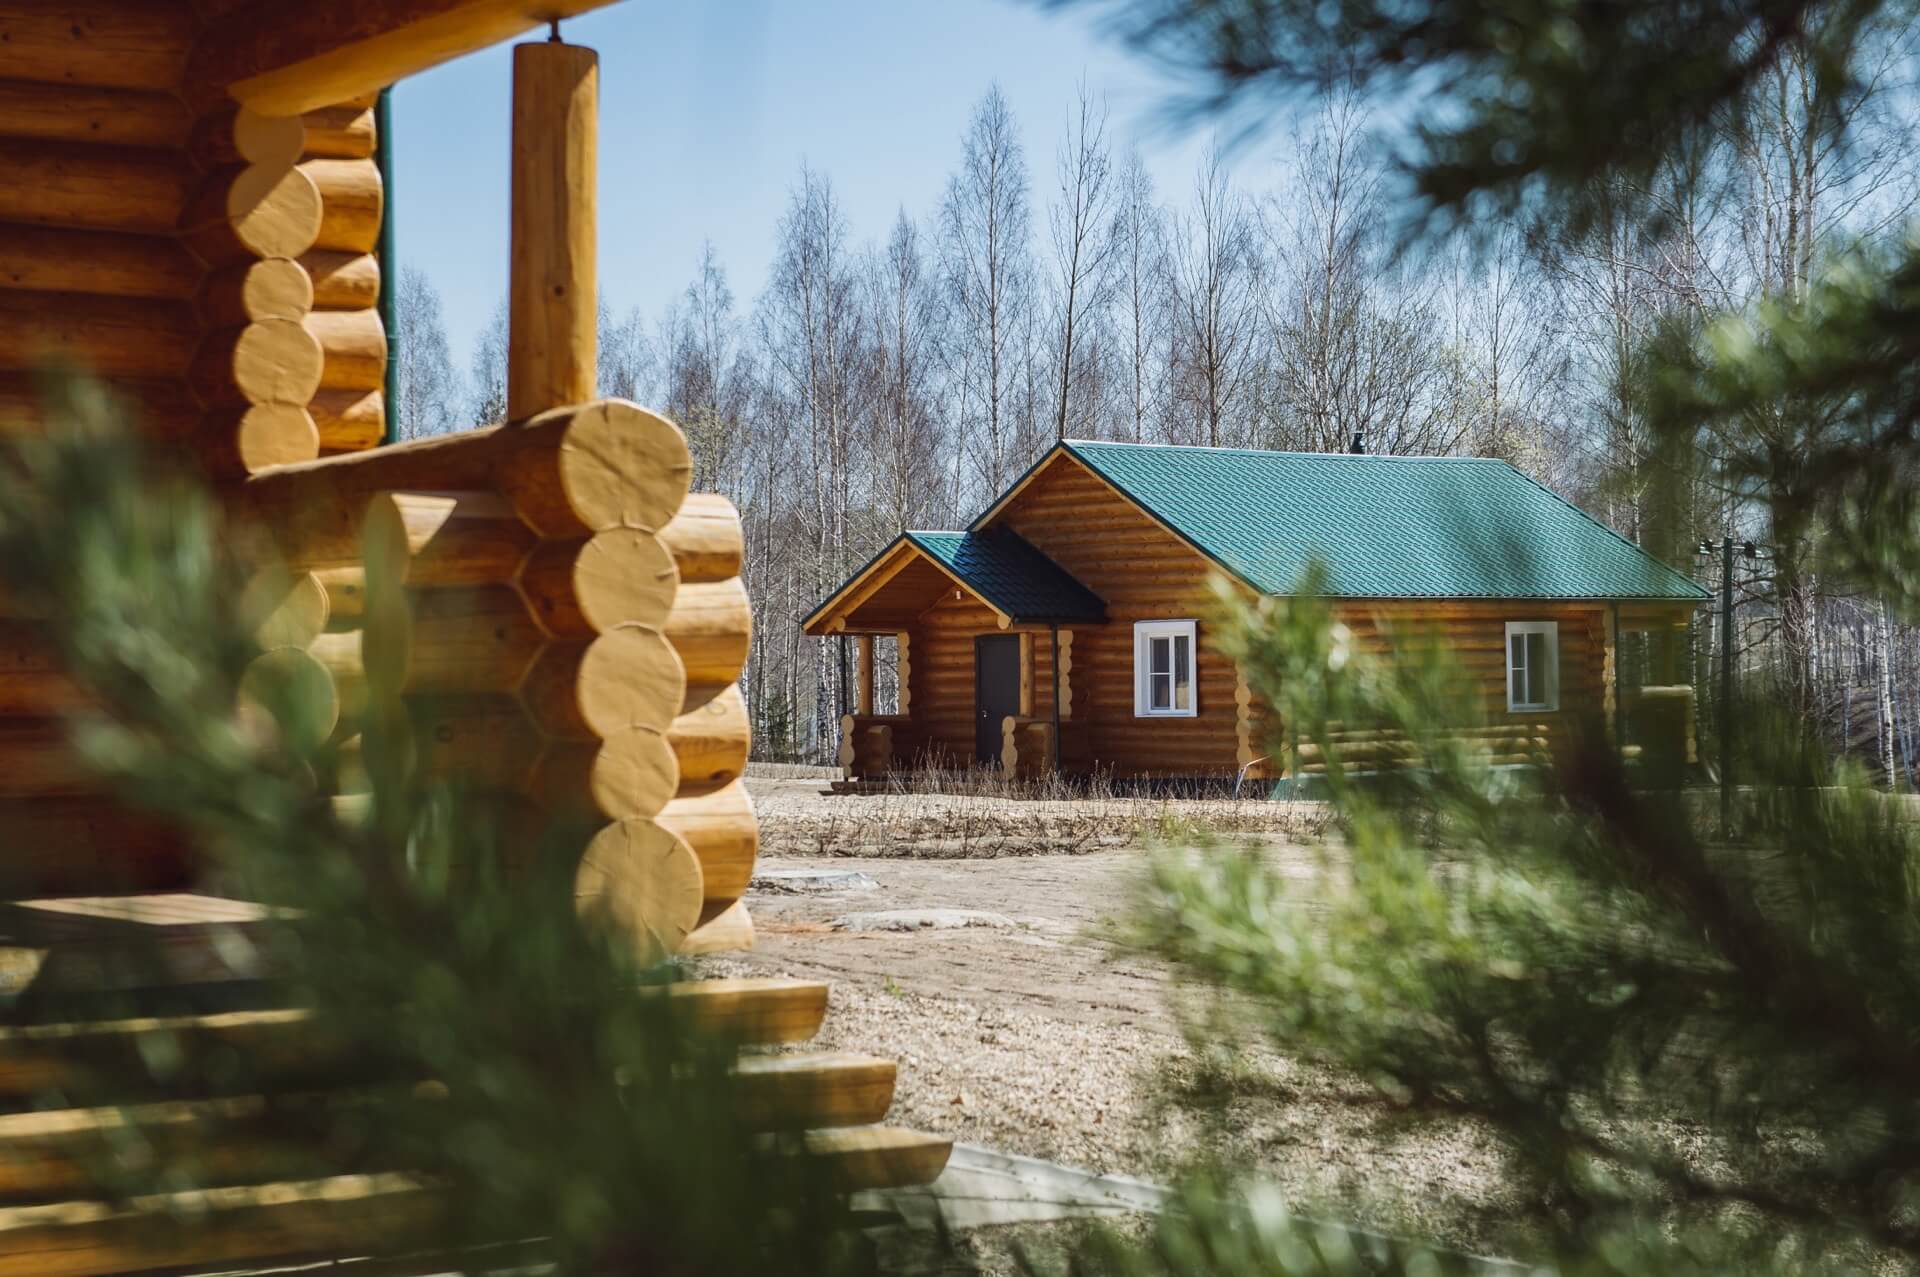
column 999, row 569
column 838, row 613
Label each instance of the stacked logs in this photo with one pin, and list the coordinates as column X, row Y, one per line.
column 349, row 410
column 578, row 628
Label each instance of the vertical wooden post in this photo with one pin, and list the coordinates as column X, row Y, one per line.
column 551, row 336
column 1054, row 630
column 866, row 675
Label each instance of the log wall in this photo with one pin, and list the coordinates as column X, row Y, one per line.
column 212, row 263
column 175, row 246
column 1144, row 573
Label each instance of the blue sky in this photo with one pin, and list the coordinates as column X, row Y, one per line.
column 708, row 108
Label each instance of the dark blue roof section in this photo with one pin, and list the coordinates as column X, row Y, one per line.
column 1005, row 569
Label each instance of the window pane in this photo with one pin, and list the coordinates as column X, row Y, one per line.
column 1182, row 677
column 1162, row 694
column 1517, row 667
column 1536, row 669
column 1160, row 661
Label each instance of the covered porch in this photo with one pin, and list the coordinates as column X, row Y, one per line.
column 983, row 627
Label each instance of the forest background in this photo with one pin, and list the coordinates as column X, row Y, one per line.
column 898, row 376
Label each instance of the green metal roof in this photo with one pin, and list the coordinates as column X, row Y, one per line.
column 1003, row 568
column 1384, row 527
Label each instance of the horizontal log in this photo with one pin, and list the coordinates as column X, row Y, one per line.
column 711, row 626
column 349, row 420
column 876, row 1157
column 487, row 741
column 800, row 1091
column 569, row 473
column 344, row 132
column 644, row 881
column 231, row 1226
column 705, row 537
column 252, row 211
column 346, row 589
column 275, row 288
column 123, row 44
column 578, row 589
column 630, row 677
column 752, row 1010
column 343, row 281
column 116, row 336
column 355, row 346
column 350, row 199
column 712, row 741
column 450, row 538
column 233, row 135
column 41, row 259
column 96, row 116
column 629, row 774
column 730, row 932
column 237, row 439
column 157, row 409
column 297, row 616
column 285, row 64
column 722, row 830
column 84, row 846
column 94, row 187
column 470, row 639
column 36, row 757
column 268, row 361
column 303, row 686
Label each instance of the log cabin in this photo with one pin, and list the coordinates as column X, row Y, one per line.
column 192, row 210
column 1069, row 626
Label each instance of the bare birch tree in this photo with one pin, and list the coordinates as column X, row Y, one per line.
column 429, row 390
column 1139, row 239
column 1214, row 277
column 987, row 257
column 1082, row 249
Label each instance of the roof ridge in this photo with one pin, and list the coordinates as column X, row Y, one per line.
column 1074, row 444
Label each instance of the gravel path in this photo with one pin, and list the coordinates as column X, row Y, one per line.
column 1043, row 1039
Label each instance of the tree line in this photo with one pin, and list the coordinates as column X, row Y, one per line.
column 898, row 378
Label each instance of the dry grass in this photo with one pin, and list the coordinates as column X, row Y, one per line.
column 982, row 814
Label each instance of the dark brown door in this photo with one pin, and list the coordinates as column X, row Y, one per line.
column 996, row 691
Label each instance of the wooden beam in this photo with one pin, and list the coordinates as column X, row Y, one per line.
column 864, row 645
column 879, row 1156
column 287, row 57
column 552, row 344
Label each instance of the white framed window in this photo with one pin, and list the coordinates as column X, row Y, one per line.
column 1163, row 669
column 1533, row 665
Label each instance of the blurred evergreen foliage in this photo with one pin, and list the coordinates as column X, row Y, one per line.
column 467, row 1028
column 1701, row 1048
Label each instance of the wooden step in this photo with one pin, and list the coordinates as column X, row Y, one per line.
column 64, row 1153
column 757, row 1011
column 243, row 1049
column 863, row 1157
column 342, row 1215
column 179, row 953
column 194, row 1054
column 800, row 1091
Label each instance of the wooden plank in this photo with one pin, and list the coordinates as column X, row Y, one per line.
column 865, row 1157
column 355, row 1214
column 758, row 1011
column 803, row 1091
column 287, row 60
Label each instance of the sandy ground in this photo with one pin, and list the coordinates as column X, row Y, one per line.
column 1041, row 1038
